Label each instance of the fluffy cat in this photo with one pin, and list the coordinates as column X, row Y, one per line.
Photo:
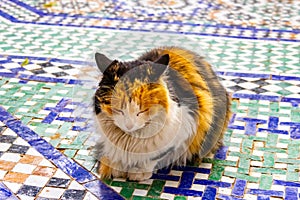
column 163, row 108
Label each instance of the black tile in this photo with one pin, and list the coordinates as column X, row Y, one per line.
column 7, row 138
column 66, row 67
column 38, row 71
column 29, row 190
column 58, row 74
column 238, row 80
column 236, row 88
column 47, row 64
column 261, row 82
column 259, row 90
column 18, row 149
column 73, row 195
column 58, row 182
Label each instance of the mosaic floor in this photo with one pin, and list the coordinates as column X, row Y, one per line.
column 48, row 76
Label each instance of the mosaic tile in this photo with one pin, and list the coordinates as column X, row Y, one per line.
column 42, row 73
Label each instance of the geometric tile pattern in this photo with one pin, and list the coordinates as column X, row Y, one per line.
column 225, row 19
column 48, row 76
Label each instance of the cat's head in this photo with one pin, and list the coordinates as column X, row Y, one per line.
column 132, row 94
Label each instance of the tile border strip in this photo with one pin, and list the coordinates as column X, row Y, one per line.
column 67, row 165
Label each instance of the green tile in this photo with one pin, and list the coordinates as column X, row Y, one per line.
column 180, row 198
column 241, row 176
column 156, row 188
column 130, row 185
column 126, row 192
column 145, row 198
column 269, row 160
column 265, row 182
column 216, row 172
column 293, row 176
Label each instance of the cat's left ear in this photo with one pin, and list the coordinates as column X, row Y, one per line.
column 162, row 66
column 102, row 61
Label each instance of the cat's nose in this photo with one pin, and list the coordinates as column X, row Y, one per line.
column 129, row 126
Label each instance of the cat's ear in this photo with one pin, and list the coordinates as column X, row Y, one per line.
column 102, row 61
column 160, row 67
column 163, row 60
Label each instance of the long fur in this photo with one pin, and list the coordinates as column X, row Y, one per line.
column 197, row 111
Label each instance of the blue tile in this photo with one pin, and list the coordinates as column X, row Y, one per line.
column 263, row 197
column 8, row 75
column 284, row 132
column 186, row 180
column 250, row 75
column 286, row 183
column 165, row 177
column 209, row 193
column 239, row 187
column 165, row 170
column 295, row 132
column 291, row 193
column 266, row 192
column 212, row 183
column 102, row 191
column 285, row 78
column 5, row 193
column 221, row 153
column 226, row 197
column 185, row 192
column 256, row 97
column 273, row 122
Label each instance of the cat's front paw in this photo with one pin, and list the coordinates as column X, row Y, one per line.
column 139, row 176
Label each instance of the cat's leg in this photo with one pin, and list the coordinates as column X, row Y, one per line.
column 108, row 170
column 141, row 173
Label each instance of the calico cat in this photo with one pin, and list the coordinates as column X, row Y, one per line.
column 163, row 108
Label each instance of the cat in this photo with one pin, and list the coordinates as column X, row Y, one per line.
column 163, row 108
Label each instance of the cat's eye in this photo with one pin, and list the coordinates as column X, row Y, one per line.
column 118, row 111
column 143, row 111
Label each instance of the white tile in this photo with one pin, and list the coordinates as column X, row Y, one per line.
column 89, row 196
column 171, row 183
column 46, row 163
column 117, row 189
column 226, row 191
column 13, row 157
column 60, row 174
column 50, row 192
column 35, row 180
column 4, row 146
column 76, row 186
column 33, row 152
column 14, row 187
column 198, row 187
column 139, row 192
column 9, row 132
column 2, row 174
column 20, row 141
column 167, row 196
column 24, row 168
column 231, row 169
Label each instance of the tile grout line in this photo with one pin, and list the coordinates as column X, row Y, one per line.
column 67, row 165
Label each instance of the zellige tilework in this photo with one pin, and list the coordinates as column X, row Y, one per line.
column 48, row 146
